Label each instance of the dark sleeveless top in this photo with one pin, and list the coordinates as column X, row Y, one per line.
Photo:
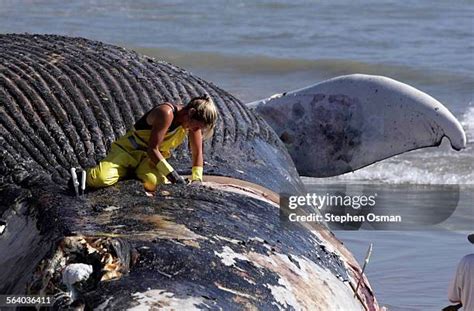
column 141, row 124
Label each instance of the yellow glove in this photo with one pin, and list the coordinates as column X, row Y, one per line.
column 167, row 170
column 196, row 173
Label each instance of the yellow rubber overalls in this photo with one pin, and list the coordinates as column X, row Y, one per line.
column 130, row 153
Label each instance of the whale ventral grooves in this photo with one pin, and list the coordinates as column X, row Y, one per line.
column 65, row 100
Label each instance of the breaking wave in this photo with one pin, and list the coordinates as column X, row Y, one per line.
column 431, row 166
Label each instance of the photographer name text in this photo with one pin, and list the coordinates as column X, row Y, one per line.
column 347, row 218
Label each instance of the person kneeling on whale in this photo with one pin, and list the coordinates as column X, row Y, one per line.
column 149, row 143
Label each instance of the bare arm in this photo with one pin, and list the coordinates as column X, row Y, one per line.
column 161, row 118
column 195, row 141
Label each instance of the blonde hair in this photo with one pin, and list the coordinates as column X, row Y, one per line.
column 205, row 112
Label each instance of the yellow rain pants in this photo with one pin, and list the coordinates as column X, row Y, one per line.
column 129, row 153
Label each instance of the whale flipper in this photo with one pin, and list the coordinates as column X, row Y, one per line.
column 348, row 122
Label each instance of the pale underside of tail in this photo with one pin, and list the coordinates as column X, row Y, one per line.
column 349, row 122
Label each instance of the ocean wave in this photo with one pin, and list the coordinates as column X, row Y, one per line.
column 427, row 170
column 326, row 68
column 467, row 122
column 405, row 173
column 431, row 166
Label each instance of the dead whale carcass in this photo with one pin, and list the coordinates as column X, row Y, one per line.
column 219, row 245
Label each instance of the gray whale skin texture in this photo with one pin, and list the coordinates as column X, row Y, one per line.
column 218, row 245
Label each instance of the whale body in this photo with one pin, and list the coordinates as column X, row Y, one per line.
column 217, row 245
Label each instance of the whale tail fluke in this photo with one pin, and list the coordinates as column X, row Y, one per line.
column 349, row 122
